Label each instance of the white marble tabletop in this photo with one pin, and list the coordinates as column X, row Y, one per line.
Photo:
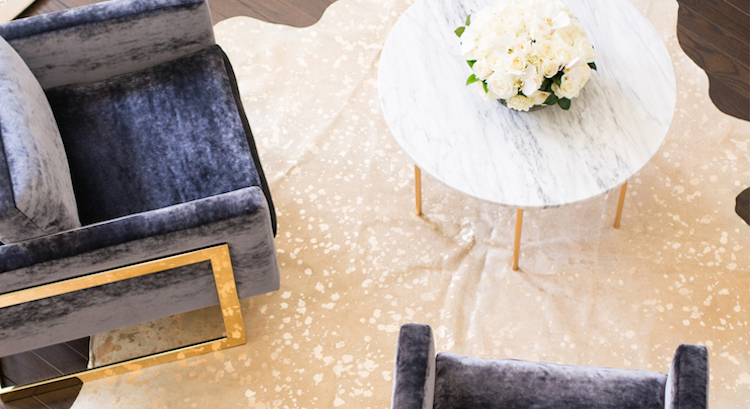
column 544, row 158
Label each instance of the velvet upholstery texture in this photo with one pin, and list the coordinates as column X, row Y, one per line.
column 150, row 128
column 103, row 40
column 466, row 382
column 687, row 385
column 36, row 195
column 162, row 162
column 239, row 218
column 414, row 379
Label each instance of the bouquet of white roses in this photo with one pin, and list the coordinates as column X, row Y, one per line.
column 527, row 52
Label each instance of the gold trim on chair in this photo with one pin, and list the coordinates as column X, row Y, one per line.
column 228, row 300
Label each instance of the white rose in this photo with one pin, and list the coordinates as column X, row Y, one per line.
column 498, row 62
column 519, row 102
column 550, row 68
column 585, row 49
column 522, row 45
column 501, row 85
column 517, row 63
column 565, row 55
column 567, row 89
column 481, row 69
column 579, row 75
column 545, row 49
column 560, row 36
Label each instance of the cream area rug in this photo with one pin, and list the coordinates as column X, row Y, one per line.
column 356, row 263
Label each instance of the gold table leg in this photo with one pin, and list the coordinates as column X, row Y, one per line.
column 620, row 204
column 517, row 242
column 229, row 302
column 418, row 188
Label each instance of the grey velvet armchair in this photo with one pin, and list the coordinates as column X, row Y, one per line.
column 423, row 380
column 126, row 159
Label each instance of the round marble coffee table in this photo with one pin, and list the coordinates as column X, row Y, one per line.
column 539, row 159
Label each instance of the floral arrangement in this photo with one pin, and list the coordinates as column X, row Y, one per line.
column 527, row 52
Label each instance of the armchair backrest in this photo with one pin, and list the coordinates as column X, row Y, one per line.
column 463, row 381
column 109, row 39
column 423, row 381
column 36, row 194
column 687, row 382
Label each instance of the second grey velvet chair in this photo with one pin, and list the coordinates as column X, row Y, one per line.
column 130, row 184
column 423, row 380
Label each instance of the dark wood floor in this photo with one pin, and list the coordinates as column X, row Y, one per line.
column 41, row 364
column 716, row 35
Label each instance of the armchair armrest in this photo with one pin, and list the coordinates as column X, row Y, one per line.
column 239, row 218
column 687, row 381
column 414, row 372
column 102, row 40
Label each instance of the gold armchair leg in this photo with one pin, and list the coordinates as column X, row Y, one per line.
column 620, row 204
column 228, row 300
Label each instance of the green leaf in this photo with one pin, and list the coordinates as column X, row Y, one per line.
column 551, row 100
column 471, row 63
column 557, row 79
column 592, row 65
column 472, row 79
column 468, row 19
column 460, row 31
column 546, row 85
column 486, row 89
column 564, row 103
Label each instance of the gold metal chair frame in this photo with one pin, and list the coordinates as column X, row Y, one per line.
column 228, row 300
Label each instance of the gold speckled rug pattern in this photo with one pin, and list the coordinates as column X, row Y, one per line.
column 356, row 263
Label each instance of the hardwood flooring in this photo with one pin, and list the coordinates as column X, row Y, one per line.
column 45, row 363
column 716, row 35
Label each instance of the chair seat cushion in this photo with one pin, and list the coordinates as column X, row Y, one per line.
column 466, row 382
column 157, row 137
column 36, row 195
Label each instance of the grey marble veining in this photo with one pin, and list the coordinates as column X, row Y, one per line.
column 545, row 158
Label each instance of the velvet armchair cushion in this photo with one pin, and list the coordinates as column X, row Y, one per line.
column 36, row 195
column 149, row 139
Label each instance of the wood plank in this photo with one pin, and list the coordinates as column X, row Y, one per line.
column 723, row 15
column 26, row 367
column 741, row 5
column 26, row 403
column 62, row 358
column 715, row 64
column 61, row 398
column 80, row 346
column 712, row 34
column 729, row 100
